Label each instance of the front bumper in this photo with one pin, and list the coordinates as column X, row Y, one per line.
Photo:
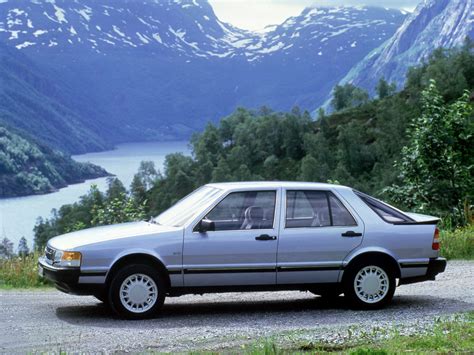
column 435, row 267
column 67, row 279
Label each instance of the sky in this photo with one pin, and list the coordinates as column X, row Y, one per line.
column 256, row 14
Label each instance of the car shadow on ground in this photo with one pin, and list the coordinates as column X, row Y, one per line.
column 298, row 311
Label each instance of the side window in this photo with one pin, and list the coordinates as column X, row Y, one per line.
column 340, row 215
column 315, row 209
column 244, row 210
column 307, row 209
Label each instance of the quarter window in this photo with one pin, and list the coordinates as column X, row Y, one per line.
column 385, row 211
column 315, row 209
column 340, row 214
column 244, row 210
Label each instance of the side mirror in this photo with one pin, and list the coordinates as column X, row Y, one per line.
column 205, row 226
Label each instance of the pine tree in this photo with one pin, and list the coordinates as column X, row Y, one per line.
column 6, row 248
column 23, row 249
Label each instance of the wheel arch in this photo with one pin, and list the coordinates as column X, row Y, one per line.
column 381, row 255
column 138, row 257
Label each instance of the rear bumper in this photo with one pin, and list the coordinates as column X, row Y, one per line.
column 435, row 267
column 67, row 279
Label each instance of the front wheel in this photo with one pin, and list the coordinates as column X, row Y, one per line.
column 369, row 285
column 137, row 292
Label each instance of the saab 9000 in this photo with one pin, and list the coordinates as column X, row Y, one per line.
column 250, row 236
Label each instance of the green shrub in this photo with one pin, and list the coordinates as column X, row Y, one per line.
column 21, row 272
column 458, row 244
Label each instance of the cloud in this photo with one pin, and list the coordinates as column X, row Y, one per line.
column 256, row 14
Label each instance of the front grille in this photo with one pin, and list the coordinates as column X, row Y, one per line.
column 49, row 253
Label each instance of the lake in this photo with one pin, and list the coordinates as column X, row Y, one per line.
column 18, row 215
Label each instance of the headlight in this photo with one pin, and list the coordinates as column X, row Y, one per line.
column 67, row 258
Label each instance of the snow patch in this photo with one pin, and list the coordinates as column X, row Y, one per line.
column 86, row 13
column 142, row 38
column 39, row 33
column 14, row 34
column 271, row 49
column 60, row 14
column 24, row 45
column 117, row 31
column 157, row 37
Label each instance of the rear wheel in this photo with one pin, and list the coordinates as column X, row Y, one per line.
column 137, row 292
column 369, row 285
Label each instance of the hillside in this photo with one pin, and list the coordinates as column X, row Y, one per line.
column 28, row 167
column 31, row 99
column 433, row 24
column 161, row 69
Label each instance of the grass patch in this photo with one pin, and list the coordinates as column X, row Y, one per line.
column 21, row 272
column 447, row 336
column 458, row 244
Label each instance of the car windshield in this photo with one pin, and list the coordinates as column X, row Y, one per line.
column 188, row 207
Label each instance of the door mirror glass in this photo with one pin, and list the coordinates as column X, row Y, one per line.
column 206, row 225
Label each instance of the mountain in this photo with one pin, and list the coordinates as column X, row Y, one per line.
column 31, row 101
column 434, row 24
column 29, row 167
column 162, row 69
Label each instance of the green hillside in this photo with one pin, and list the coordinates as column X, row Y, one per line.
column 28, row 167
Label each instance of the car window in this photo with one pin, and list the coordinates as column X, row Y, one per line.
column 340, row 215
column 385, row 211
column 315, row 209
column 307, row 209
column 244, row 210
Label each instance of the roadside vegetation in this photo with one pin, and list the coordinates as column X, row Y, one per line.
column 446, row 336
column 21, row 272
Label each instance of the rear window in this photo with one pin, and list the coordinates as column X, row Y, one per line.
column 388, row 213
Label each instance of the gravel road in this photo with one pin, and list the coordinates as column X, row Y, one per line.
column 52, row 321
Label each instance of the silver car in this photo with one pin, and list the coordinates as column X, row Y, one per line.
column 250, row 236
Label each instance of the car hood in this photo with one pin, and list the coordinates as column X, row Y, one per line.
column 73, row 240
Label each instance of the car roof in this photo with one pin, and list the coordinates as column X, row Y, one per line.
column 274, row 184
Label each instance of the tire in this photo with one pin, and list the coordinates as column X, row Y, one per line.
column 137, row 292
column 369, row 284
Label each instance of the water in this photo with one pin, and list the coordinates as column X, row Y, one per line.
column 18, row 215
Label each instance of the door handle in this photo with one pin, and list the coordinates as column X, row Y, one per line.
column 351, row 234
column 266, row 237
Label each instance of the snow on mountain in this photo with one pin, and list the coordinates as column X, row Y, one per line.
column 433, row 24
column 170, row 66
column 184, row 27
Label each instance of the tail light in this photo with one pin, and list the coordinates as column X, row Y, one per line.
column 435, row 245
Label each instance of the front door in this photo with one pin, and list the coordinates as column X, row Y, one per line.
column 242, row 248
column 317, row 233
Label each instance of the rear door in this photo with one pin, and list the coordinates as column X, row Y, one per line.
column 242, row 249
column 317, row 231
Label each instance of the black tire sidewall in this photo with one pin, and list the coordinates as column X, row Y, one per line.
column 350, row 293
column 120, row 276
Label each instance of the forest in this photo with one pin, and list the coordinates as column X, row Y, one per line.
column 412, row 148
column 28, row 166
